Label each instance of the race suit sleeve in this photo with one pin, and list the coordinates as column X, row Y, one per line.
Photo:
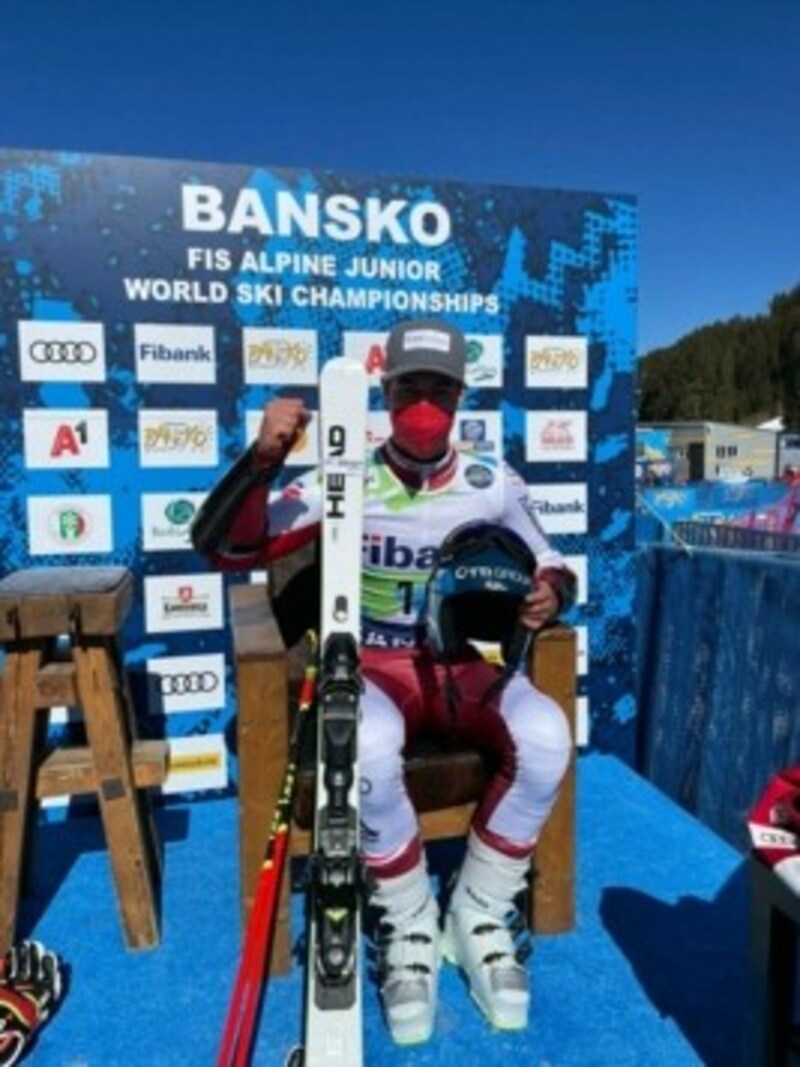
column 520, row 516
column 270, row 524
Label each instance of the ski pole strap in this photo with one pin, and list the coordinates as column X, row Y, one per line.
column 219, row 509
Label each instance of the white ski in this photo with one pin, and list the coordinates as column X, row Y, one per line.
column 333, row 1000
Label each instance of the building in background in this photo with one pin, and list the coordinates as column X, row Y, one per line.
column 681, row 452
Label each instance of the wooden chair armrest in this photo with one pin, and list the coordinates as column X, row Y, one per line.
column 255, row 630
column 553, row 670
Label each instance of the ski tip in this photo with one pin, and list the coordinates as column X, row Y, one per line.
column 295, row 1057
column 353, row 368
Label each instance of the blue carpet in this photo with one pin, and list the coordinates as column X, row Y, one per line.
column 654, row 972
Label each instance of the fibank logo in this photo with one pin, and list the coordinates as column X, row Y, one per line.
column 391, row 553
column 556, row 436
column 167, row 520
column 274, row 356
column 61, row 351
column 305, row 450
column 186, row 683
column 175, row 353
column 177, row 438
column 65, row 438
column 484, row 360
column 183, row 602
column 556, row 362
column 559, row 508
column 196, row 764
column 66, row 525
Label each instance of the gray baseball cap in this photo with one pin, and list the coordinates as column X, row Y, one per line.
column 425, row 345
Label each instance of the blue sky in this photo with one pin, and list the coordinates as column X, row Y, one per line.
column 693, row 106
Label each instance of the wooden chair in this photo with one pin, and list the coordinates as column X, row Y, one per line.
column 444, row 784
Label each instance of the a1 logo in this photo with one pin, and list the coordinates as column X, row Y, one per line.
column 375, row 359
column 68, row 439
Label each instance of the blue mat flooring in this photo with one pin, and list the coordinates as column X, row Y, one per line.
column 654, row 973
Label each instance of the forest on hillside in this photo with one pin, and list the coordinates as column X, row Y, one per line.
column 744, row 370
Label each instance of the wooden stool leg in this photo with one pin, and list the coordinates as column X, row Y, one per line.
column 262, row 746
column 552, row 901
column 17, row 729
column 126, row 832
column 143, row 798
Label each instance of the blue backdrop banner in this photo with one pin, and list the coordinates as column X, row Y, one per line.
column 150, row 308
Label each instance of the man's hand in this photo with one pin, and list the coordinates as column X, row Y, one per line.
column 539, row 606
column 282, row 423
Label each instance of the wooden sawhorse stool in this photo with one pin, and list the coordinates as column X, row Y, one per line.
column 443, row 785
column 774, row 929
column 60, row 627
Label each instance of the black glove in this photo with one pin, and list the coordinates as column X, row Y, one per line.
column 30, row 987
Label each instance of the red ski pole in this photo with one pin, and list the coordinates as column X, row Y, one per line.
column 237, row 1037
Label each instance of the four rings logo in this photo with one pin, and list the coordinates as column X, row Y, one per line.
column 188, row 682
column 63, row 352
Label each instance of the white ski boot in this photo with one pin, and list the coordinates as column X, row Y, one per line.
column 409, row 953
column 481, row 926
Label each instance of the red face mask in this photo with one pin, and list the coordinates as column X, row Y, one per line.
column 422, row 428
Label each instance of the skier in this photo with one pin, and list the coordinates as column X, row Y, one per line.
column 418, row 668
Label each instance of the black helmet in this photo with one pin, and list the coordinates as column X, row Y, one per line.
column 482, row 574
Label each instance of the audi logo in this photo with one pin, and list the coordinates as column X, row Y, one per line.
column 175, row 685
column 63, row 352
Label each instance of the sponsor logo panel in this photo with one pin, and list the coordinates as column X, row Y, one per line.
column 186, row 683
column 178, row 602
column 556, row 362
column 74, row 438
column 178, row 437
column 560, row 508
column 196, row 764
column 304, row 452
column 369, row 348
column 279, row 356
column 379, row 427
column 582, row 724
column 579, row 565
column 484, row 360
column 582, row 649
column 479, row 432
column 556, row 436
column 69, row 525
column 61, row 351
column 167, row 520
column 175, row 354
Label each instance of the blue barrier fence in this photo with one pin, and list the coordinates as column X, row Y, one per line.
column 718, row 677
column 713, row 535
